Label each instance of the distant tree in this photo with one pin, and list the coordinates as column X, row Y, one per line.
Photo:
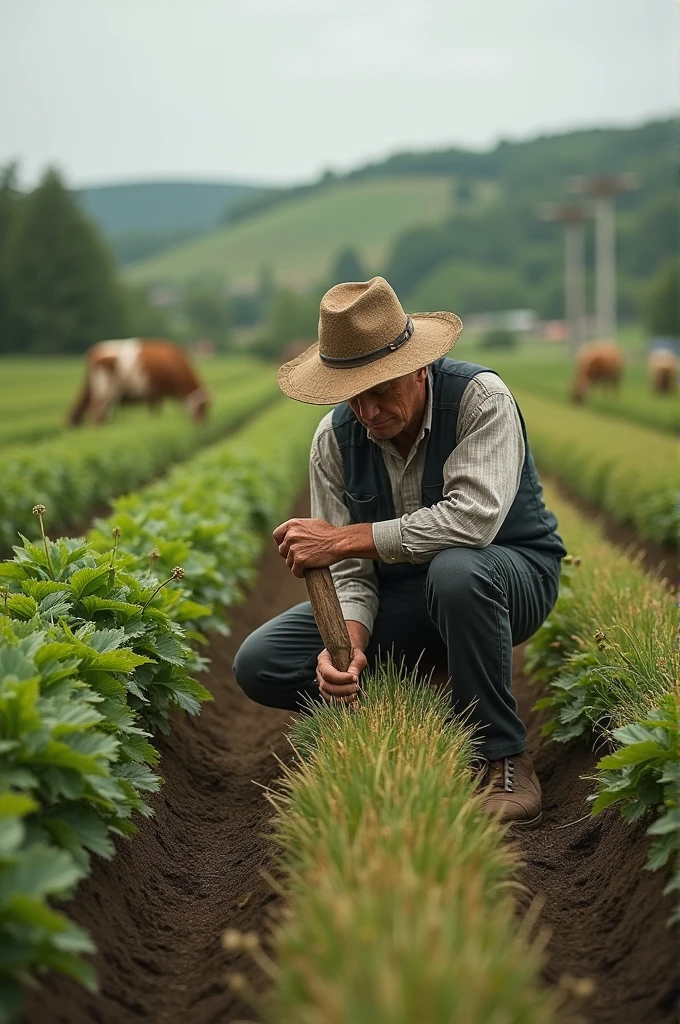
column 206, row 306
column 499, row 338
column 294, row 318
column 9, row 200
column 347, row 267
column 61, row 287
column 463, row 192
column 663, row 302
column 266, row 292
column 143, row 319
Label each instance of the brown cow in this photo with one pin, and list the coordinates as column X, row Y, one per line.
column 137, row 370
column 663, row 366
column 599, row 364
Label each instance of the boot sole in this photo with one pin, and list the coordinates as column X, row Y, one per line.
column 525, row 826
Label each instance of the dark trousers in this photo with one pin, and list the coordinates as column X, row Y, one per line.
column 467, row 612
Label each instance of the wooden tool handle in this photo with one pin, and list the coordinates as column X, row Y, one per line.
column 328, row 615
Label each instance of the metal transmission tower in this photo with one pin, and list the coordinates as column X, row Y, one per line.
column 603, row 190
column 573, row 216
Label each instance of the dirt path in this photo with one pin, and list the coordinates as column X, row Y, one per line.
column 158, row 909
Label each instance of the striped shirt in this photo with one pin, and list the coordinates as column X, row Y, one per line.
column 481, row 480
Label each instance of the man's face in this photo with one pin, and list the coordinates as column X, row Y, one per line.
column 389, row 408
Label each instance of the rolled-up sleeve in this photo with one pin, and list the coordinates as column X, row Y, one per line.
column 354, row 578
column 481, row 479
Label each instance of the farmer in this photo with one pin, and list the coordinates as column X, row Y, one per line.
column 426, row 503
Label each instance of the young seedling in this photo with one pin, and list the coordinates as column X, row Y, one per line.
column 39, row 511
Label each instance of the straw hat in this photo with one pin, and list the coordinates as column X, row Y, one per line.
column 365, row 338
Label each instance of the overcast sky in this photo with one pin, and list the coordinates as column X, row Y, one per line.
column 278, row 90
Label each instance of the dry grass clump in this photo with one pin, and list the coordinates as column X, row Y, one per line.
column 399, row 895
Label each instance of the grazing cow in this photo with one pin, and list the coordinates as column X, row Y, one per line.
column 663, row 366
column 137, row 370
column 597, row 365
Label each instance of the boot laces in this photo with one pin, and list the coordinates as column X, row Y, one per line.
column 502, row 775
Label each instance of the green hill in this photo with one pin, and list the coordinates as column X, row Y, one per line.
column 450, row 227
column 143, row 218
column 299, row 239
column 160, row 205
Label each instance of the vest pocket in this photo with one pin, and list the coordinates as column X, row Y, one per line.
column 362, row 508
column 433, row 494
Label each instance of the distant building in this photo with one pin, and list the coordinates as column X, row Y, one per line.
column 519, row 321
column 553, row 330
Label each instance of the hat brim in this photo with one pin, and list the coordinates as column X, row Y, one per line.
column 307, row 379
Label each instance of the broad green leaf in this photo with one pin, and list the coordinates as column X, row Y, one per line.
column 89, row 581
column 635, row 754
column 16, row 805
column 41, row 871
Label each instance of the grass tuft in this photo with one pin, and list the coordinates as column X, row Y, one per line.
column 399, row 895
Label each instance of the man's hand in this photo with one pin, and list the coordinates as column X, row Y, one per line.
column 343, row 686
column 312, row 543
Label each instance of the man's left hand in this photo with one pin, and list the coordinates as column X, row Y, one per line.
column 308, row 544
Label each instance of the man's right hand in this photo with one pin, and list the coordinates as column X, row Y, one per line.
column 343, row 686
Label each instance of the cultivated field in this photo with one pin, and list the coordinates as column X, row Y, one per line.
column 395, row 898
column 298, row 241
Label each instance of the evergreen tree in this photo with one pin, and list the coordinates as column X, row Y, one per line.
column 206, row 307
column 9, row 199
column 59, row 278
column 347, row 267
column 663, row 302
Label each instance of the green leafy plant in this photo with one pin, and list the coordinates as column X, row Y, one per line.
column 643, row 774
column 608, row 662
column 97, row 648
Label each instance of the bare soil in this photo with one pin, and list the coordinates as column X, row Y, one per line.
column 158, row 910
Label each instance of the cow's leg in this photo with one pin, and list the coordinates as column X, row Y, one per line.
column 103, row 390
column 80, row 409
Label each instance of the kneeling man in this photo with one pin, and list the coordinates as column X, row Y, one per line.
column 427, row 506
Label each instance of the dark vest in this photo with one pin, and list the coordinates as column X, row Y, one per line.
column 368, row 493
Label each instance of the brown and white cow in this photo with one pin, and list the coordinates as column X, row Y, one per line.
column 144, row 370
column 599, row 364
column 663, row 366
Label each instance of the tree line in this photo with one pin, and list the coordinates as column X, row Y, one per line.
column 60, row 290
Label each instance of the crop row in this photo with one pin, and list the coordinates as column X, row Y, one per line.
column 549, row 375
column 76, row 472
column 625, row 469
column 397, row 884
column 96, row 650
column 608, row 660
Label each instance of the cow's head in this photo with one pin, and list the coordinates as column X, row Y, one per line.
column 198, row 403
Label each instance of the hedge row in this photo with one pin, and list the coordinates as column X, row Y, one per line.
column 79, row 470
column 609, row 663
column 627, row 470
column 398, row 899
column 94, row 656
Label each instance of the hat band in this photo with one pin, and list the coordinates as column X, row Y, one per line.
column 348, row 362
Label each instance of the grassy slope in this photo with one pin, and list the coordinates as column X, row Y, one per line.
column 299, row 240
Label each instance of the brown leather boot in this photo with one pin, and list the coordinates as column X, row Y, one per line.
column 513, row 792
